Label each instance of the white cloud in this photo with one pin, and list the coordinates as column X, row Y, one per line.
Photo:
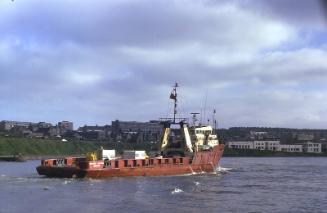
column 82, row 78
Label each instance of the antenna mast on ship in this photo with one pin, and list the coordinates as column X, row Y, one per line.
column 194, row 118
column 173, row 95
column 214, row 121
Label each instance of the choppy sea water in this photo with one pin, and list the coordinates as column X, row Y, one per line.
column 241, row 185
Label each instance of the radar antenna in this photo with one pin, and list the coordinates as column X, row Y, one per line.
column 173, row 95
column 194, row 118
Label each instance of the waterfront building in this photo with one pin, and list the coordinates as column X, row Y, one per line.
column 269, row 145
column 272, row 145
column 240, row 144
column 259, row 145
column 311, row 147
column 290, row 148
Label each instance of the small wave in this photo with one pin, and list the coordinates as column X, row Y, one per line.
column 67, row 182
column 177, row 190
column 46, row 188
column 199, row 173
column 222, row 169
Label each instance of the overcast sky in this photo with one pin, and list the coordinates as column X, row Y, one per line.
column 257, row 62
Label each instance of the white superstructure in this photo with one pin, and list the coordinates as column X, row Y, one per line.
column 205, row 137
column 109, row 154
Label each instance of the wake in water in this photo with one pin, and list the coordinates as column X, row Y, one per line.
column 223, row 170
column 176, row 191
column 67, row 182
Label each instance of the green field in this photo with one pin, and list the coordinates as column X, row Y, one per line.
column 43, row 147
column 10, row 146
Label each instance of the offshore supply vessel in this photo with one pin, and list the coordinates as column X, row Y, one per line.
column 194, row 150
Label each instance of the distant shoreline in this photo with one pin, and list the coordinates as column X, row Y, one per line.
column 267, row 153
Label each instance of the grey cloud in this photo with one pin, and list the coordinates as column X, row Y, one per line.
column 92, row 63
column 296, row 12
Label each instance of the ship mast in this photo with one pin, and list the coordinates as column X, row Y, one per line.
column 214, row 121
column 173, row 95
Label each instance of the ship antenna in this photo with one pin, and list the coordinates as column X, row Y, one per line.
column 205, row 108
column 194, row 118
column 214, row 120
column 173, row 95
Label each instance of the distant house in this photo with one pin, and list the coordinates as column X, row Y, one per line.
column 137, row 131
column 258, row 135
column 54, row 132
column 8, row 125
column 94, row 132
column 65, row 126
column 303, row 137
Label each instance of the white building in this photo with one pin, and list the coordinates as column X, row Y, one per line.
column 289, row 148
column 272, row 145
column 311, row 147
column 308, row 147
column 260, row 145
column 275, row 146
column 240, row 144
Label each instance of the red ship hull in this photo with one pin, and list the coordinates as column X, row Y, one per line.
column 204, row 161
